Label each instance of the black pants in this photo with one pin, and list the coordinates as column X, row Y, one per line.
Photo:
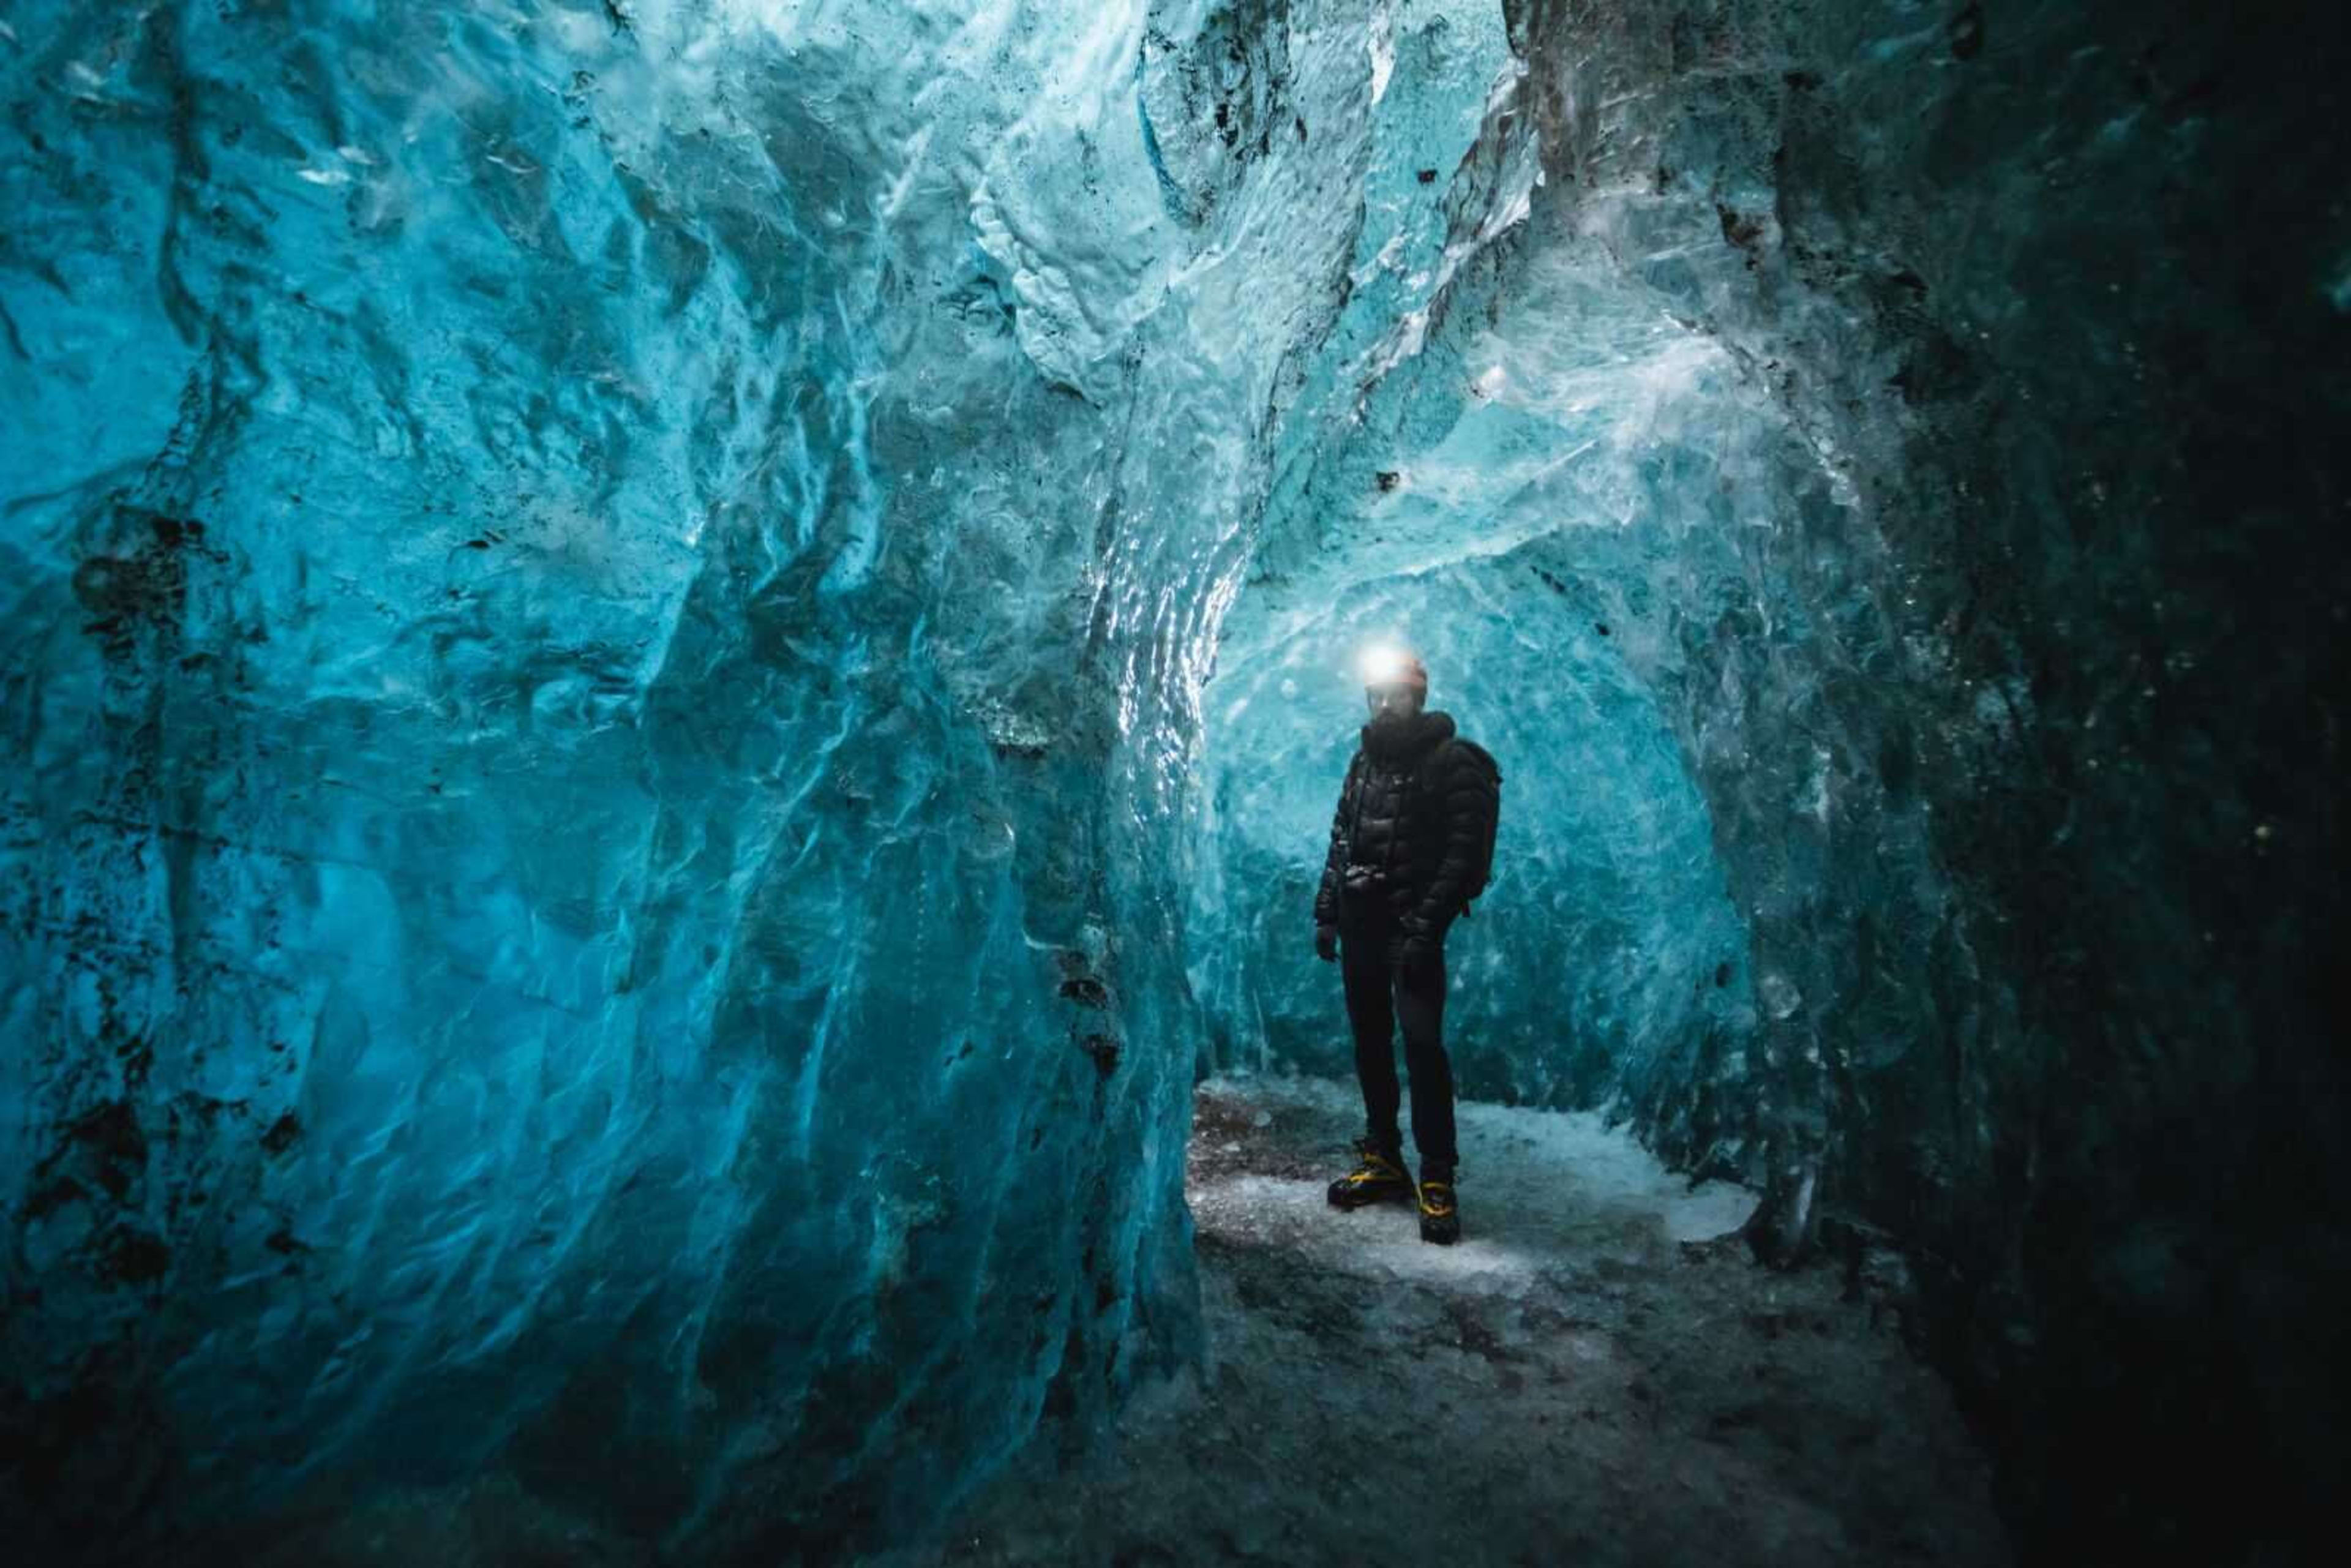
column 1382, row 993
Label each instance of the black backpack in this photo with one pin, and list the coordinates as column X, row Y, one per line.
column 1489, row 806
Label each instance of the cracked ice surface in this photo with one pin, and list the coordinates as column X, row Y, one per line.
column 602, row 606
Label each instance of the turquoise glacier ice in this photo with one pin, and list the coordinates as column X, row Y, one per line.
column 669, row 667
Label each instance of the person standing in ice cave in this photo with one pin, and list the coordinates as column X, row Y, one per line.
column 1411, row 844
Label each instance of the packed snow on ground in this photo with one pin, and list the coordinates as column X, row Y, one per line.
column 1597, row 1374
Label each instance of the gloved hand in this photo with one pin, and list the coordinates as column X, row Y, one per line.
column 1326, row 943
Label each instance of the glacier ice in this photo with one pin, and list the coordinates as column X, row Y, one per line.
column 600, row 627
column 669, row 664
column 1892, row 386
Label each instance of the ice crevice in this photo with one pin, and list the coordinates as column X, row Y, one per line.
column 672, row 669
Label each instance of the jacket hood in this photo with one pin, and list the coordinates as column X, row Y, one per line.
column 1409, row 737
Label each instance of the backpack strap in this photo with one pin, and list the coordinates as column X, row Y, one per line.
column 1445, row 750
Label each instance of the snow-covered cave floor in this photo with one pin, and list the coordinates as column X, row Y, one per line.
column 1589, row 1377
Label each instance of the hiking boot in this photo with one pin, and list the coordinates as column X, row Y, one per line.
column 1377, row 1175
column 1440, row 1218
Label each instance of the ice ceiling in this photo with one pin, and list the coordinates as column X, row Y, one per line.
column 668, row 664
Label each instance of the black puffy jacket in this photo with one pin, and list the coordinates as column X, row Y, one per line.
column 1412, row 815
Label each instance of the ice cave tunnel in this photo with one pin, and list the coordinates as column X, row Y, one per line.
column 674, row 672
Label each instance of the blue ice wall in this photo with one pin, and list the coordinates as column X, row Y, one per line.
column 1427, row 443
column 1942, row 407
column 609, row 612
column 603, row 606
column 1531, row 455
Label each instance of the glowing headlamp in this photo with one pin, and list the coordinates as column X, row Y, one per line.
column 1386, row 664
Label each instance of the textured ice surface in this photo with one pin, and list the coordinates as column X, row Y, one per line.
column 1435, row 444
column 1924, row 399
column 606, row 611
column 602, row 608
